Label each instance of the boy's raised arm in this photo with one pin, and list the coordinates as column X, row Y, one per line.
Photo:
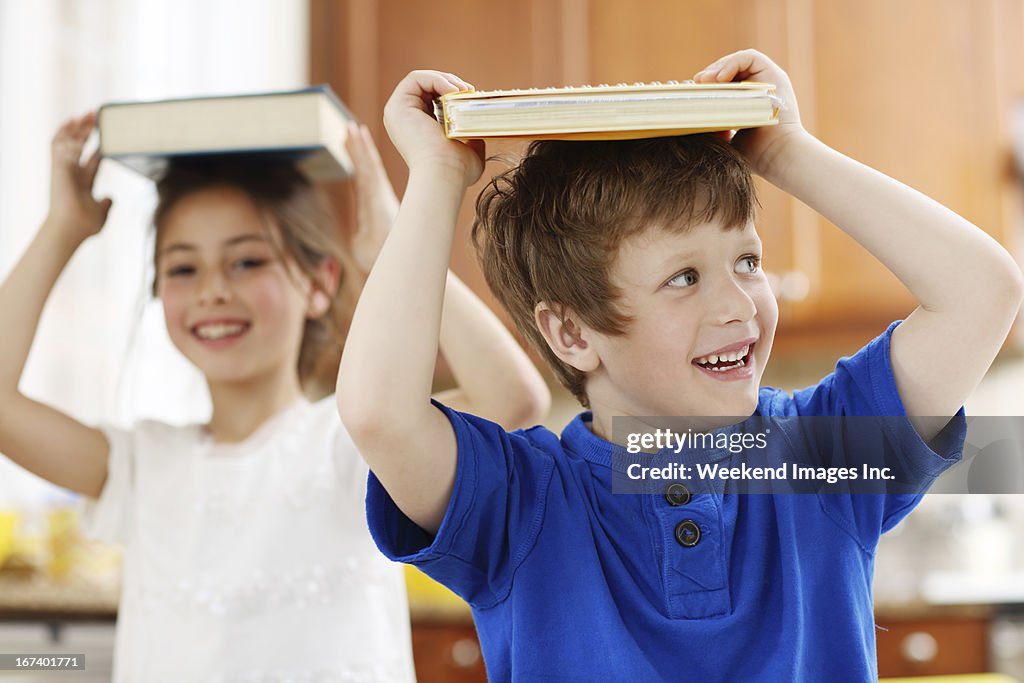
column 386, row 374
column 967, row 286
column 495, row 378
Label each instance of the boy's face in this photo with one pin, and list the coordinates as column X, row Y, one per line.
column 692, row 297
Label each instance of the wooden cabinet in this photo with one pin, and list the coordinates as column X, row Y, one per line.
column 921, row 89
column 447, row 652
column 932, row 644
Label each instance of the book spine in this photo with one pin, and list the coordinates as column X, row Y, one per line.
column 441, row 114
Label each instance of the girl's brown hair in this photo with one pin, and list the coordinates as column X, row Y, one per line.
column 550, row 228
column 309, row 234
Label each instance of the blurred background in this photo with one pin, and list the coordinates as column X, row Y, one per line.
column 929, row 91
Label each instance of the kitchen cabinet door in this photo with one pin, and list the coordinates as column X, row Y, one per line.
column 922, row 90
column 932, row 646
column 447, row 653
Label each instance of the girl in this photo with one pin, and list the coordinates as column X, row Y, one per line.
column 246, row 551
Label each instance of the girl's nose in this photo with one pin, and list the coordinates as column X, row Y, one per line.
column 213, row 289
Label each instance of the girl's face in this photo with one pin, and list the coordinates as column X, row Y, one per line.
column 231, row 305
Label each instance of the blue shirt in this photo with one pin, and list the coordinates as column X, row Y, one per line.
column 569, row 582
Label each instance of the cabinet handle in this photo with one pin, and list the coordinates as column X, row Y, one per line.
column 919, row 647
column 465, row 653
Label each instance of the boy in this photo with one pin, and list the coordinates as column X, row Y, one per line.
column 635, row 268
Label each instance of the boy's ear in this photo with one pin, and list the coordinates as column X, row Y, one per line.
column 565, row 336
column 322, row 286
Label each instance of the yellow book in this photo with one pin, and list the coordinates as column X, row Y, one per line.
column 608, row 112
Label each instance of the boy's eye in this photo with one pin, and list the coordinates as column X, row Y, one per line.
column 684, row 279
column 748, row 265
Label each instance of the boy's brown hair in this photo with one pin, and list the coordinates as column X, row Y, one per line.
column 309, row 234
column 550, row 228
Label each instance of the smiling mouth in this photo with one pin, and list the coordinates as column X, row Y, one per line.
column 218, row 331
column 726, row 361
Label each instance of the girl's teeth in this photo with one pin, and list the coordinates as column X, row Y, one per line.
column 214, row 332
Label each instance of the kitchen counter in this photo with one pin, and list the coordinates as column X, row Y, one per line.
column 39, row 597
column 923, row 610
column 944, row 593
column 966, row 588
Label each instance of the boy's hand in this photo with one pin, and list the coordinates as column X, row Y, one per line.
column 376, row 203
column 420, row 139
column 761, row 146
column 72, row 206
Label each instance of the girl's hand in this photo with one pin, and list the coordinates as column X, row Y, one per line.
column 420, row 139
column 761, row 146
column 72, row 206
column 376, row 203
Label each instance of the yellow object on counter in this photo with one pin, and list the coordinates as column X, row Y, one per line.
column 424, row 589
column 430, row 600
column 8, row 525
column 64, row 539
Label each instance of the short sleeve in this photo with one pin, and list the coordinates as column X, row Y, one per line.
column 493, row 516
column 863, row 387
column 106, row 518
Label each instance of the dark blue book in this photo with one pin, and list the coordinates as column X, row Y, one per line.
column 307, row 125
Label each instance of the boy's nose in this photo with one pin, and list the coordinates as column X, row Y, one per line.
column 731, row 303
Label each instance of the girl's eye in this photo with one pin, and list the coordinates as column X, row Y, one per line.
column 748, row 265
column 180, row 271
column 686, row 278
column 248, row 263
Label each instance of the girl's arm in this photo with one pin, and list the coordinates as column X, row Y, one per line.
column 967, row 286
column 494, row 376
column 37, row 437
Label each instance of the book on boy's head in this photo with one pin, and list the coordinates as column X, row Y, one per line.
column 604, row 112
column 307, row 125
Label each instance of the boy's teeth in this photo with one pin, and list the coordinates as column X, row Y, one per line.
column 731, row 357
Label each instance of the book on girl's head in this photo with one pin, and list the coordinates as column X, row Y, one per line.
column 309, row 125
column 608, row 112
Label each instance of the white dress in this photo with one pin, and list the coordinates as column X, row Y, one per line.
column 250, row 562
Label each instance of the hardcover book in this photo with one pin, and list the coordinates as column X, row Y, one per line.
column 308, row 125
column 608, row 112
